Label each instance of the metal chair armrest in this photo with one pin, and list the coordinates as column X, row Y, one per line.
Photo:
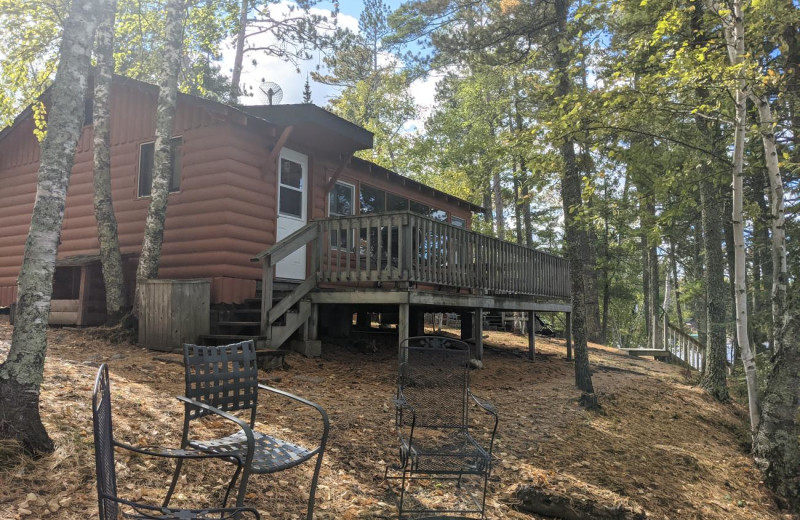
column 248, row 432
column 486, row 405
column 318, row 408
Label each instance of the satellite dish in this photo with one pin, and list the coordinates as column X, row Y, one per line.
column 271, row 92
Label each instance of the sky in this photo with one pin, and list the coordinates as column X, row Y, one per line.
column 292, row 82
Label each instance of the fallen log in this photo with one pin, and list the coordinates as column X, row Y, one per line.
column 565, row 506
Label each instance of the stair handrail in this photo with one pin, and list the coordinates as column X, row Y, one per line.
column 683, row 345
column 269, row 258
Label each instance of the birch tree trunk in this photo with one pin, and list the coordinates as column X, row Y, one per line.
column 162, row 165
column 766, row 123
column 733, row 24
column 22, row 372
column 110, row 256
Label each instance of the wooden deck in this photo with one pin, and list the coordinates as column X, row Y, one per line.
column 409, row 261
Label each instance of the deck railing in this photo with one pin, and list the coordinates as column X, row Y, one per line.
column 405, row 247
column 684, row 347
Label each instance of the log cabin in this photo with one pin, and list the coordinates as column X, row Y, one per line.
column 294, row 233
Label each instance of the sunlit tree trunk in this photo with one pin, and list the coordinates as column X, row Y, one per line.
column 22, row 372
column 110, row 256
column 238, row 59
column 162, row 165
column 733, row 24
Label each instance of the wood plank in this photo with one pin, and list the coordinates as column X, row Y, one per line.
column 402, row 328
column 285, row 304
column 64, row 306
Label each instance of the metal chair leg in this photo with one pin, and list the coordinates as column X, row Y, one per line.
column 230, row 486
column 310, row 514
column 174, row 482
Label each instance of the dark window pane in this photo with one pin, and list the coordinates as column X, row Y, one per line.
column 291, row 174
column 396, row 202
column 373, row 200
column 146, row 166
column 88, row 111
column 291, row 202
column 458, row 222
column 146, row 169
column 340, row 200
column 422, row 209
column 439, row 214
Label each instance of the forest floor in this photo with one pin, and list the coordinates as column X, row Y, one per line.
column 659, row 447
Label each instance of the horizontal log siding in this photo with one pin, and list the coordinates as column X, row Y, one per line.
column 214, row 224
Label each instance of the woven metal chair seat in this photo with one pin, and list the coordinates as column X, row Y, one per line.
column 270, row 454
column 185, row 514
column 455, row 453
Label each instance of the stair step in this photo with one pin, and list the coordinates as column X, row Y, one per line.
column 233, row 337
column 239, row 323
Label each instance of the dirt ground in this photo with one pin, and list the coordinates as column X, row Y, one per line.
column 659, row 446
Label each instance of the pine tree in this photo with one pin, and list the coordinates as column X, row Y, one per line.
column 307, row 93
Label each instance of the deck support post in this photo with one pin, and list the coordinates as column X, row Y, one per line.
column 568, row 335
column 466, row 326
column 531, row 335
column 402, row 327
column 266, row 296
column 416, row 326
column 478, row 334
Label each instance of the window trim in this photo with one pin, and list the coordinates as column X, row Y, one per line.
column 139, row 168
column 463, row 221
column 301, row 159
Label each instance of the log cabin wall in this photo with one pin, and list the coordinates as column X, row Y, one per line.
column 200, row 237
column 223, row 214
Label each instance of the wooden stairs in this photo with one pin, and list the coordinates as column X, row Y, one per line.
column 243, row 322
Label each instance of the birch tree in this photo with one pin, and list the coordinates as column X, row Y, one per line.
column 110, row 256
column 22, row 372
column 733, row 24
column 165, row 113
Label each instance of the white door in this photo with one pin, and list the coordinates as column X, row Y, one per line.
column 292, row 191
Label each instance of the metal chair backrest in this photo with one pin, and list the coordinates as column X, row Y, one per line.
column 104, row 446
column 225, row 377
column 434, row 380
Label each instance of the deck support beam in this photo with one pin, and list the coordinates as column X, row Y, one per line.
column 531, row 335
column 466, row 326
column 568, row 334
column 478, row 334
column 402, row 327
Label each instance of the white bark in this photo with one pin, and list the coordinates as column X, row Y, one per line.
column 239, row 57
column 165, row 114
column 733, row 23
column 110, row 256
column 780, row 314
column 22, row 372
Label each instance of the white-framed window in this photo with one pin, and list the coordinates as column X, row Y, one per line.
column 146, row 165
column 341, row 203
column 290, row 184
column 458, row 222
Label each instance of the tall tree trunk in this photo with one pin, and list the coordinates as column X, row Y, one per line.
column 238, row 59
column 162, row 165
column 517, row 207
column 22, row 372
column 593, row 326
column 676, row 284
column 526, row 210
column 499, row 221
column 733, row 24
column 766, row 124
column 699, row 307
column 776, row 448
column 648, row 331
column 655, row 300
column 761, row 243
column 110, row 256
column 575, row 236
column 715, row 370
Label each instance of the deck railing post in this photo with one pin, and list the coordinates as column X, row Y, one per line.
column 266, row 295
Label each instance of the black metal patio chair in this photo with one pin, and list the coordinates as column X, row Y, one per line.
column 113, row 507
column 224, row 379
column 432, row 417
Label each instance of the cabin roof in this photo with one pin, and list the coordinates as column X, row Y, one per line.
column 329, row 132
